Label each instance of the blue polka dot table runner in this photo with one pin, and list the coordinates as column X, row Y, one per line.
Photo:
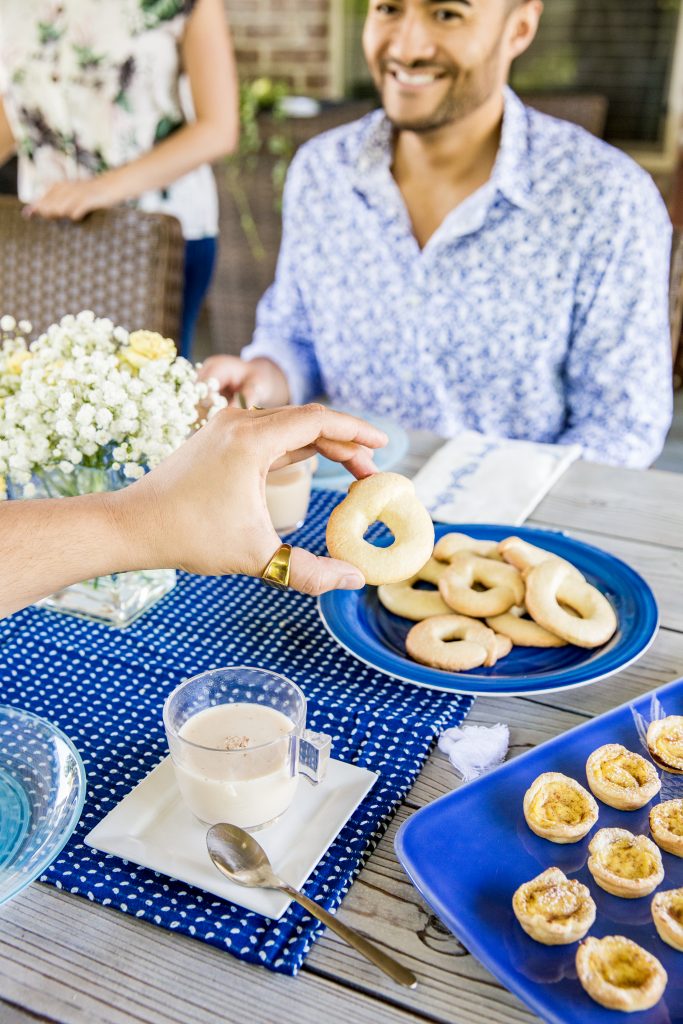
column 105, row 689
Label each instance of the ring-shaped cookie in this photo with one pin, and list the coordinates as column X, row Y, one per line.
column 388, row 498
column 665, row 743
column 525, row 556
column 624, row 864
column 621, row 778
column 523, row 632
column 618, row 973
column 451, row 543
column 554, row 909
column 549, row 586
column 666, row 826
column 454, row 643
column 412, row 603
column 558, row 808
column 504, row 585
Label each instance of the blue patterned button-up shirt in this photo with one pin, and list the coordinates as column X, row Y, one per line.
column 537, row 310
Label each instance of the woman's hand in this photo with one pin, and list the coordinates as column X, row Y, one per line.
column 204, row 508
column 260, row 381
column 73, row 200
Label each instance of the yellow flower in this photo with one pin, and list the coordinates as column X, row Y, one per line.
column 16, row 360
column 3, row 488
column 145, row 346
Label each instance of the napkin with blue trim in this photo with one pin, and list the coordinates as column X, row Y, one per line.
column 476, row 478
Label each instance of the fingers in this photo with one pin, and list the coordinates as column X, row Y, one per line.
column 311, row 574
column 302, row 426
column 229, row 371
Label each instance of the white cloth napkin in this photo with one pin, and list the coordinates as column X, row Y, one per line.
column 473, row 749
column 475, row 478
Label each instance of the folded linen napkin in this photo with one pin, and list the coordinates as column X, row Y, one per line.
column 476, row 478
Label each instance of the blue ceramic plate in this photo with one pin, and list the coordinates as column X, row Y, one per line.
column 470, row 850
column 330, row 476
column 42, row 789
column 358, row 621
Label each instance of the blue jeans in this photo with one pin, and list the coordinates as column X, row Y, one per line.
column 200, row 259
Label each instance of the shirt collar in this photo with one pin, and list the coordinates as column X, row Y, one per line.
column 511, row 175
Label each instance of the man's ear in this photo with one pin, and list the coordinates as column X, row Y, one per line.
column 522, row 26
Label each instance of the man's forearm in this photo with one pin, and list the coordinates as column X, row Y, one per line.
column 47, row 544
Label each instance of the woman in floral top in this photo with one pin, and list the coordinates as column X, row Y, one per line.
column 90, row 98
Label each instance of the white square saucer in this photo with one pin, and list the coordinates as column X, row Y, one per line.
column 152, row 827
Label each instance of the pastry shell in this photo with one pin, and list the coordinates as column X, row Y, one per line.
column 624, row 864
column 666, row 825
column 558, row 808
column 667, row 914
column 665, row 743
column 554, row 909
column 619, row 974
column 621, row 778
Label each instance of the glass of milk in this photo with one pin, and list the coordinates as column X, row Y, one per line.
column 288, row 491
column 239, row 744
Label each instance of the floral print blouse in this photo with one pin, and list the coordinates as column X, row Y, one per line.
column 90, row 85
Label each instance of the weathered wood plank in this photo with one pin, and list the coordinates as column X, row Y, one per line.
column 73, row 962
column 629, row 503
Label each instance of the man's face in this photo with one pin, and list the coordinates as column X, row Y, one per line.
column 436, row 61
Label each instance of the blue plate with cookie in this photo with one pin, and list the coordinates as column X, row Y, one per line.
column 468, row 852
column 359, row 623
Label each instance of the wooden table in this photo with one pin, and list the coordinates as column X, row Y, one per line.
column 65, row 959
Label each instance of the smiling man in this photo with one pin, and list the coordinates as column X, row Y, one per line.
column 457, row 260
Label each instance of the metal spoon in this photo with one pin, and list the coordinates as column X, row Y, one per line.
column 238, row 856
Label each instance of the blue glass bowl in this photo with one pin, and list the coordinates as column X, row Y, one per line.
column 42, row 789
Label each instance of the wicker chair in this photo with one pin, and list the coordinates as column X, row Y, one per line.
column 676, row 305
column 586, row 109
column 121, row 263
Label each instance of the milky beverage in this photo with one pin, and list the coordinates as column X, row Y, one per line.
column 232, row 781
column 287, row 493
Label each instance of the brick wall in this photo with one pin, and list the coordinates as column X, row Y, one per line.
column 291, row 40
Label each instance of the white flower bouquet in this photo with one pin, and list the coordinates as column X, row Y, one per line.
column 89, row 407
column 89, row 394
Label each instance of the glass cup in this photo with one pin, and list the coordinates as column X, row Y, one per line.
column 239, row 743
column 288, row 491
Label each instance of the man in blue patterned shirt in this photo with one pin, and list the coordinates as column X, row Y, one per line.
column 458, row 260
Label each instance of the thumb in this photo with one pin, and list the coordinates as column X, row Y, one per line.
column 312, row 574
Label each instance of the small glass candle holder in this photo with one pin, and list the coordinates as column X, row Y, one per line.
column 239, row 743
column 288, row 492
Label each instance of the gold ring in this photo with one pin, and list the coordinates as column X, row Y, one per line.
column 276, row 573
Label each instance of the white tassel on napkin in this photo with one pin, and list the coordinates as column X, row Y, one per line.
column 473, row 749
column 475, row 478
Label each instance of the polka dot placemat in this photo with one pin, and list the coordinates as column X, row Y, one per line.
column 105, row 689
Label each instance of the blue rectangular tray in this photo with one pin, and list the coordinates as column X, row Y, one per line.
column 468, row 852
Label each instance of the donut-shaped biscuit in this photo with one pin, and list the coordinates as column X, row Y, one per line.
column 549, row 586
column 454, row 643
column 388, row 498
column 504, row 586
column 447, row 546
column 525, row 556
column 404, row 599
column 523, row 632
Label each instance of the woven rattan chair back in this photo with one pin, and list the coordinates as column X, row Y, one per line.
column 676, row 304
column 121, row 263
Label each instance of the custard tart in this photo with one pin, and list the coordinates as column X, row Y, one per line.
column 665, row 743
column 619, row 974
column 554, row 909
column 667, row 914
column 559, row 808
column 621, row 778
column 666, row 825
column 624, row 864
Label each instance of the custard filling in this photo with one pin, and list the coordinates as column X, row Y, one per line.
column 670, row 746
column 623, row 968
column 555, row 902
column 672, row 820
column 628, row 861
column 674, row 907
column 627, row 770
column 558, row 804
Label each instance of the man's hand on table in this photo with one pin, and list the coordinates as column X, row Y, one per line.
column 261, row 382
column 204, row 510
